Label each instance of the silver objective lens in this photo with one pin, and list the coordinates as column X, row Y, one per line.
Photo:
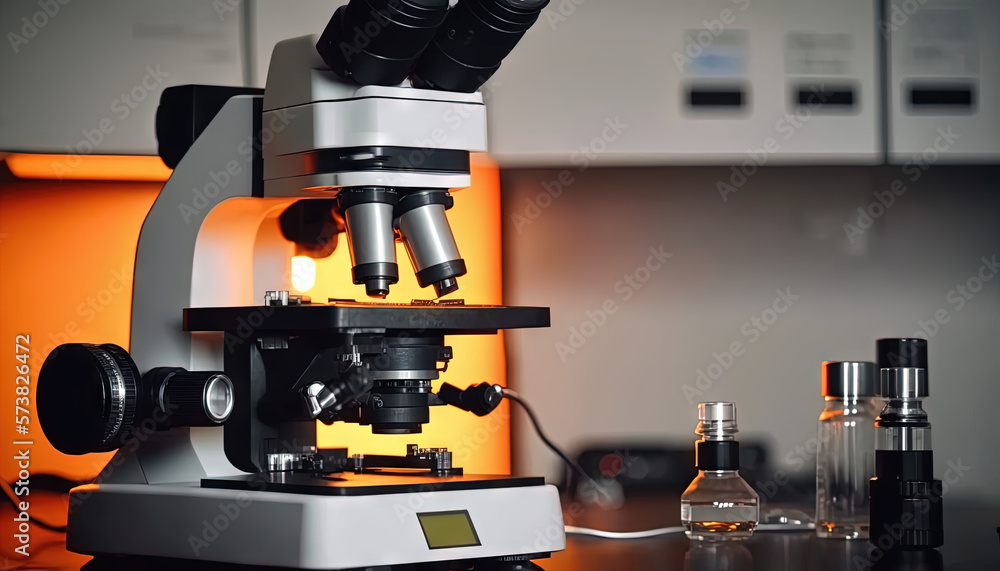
column 368, row 217
column 430, row 243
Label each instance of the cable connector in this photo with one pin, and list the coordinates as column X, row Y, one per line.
column 480, row 399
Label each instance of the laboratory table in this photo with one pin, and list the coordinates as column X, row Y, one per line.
column 972, row 544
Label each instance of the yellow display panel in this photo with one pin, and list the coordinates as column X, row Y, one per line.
column 448, row 529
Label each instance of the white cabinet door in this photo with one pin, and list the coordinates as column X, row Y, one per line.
column 712, row 81
column 85, row 77
column 944, row 78
column 822, row 67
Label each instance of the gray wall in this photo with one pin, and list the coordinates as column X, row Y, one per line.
column 623, row 378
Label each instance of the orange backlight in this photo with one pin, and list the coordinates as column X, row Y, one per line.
column 88, row 167
column 79, row 257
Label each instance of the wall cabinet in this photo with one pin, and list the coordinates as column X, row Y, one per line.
column 85, row 77
column 713, row 81
column 944, row 80
column 623, row 82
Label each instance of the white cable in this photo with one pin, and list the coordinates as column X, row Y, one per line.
column 662, row 531
column 587, row 532
column 806, row 526
column 625, row 535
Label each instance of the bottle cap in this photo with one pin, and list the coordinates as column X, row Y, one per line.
column 898, row 353
column 716, row 411
column 848, row 379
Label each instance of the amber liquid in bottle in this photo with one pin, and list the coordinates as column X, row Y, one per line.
column 718, row 505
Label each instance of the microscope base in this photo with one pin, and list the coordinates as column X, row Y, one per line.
column 316, row 530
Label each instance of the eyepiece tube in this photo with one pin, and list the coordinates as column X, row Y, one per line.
column 368, row 215
column 473, row 40
column 378, row 42
column 423, row 225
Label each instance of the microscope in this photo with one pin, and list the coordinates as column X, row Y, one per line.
column 360, row 132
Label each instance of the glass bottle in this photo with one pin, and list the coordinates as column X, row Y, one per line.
column 845, row 459
column 718, row 505
column 906, row 500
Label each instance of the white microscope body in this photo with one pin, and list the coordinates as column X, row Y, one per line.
column 189, row 492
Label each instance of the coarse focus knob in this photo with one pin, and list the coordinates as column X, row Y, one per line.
column 87, row 397
column 195, row 398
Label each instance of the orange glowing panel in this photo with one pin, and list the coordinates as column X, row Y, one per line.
column 67, row 252
column 88, row 167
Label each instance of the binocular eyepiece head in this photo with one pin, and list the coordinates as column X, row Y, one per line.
column 382, row 42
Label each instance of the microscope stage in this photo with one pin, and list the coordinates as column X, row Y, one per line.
column 436, row 318
column 365, row 484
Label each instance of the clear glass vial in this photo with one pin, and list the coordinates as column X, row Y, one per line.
column 845, row 459
column 718, row 505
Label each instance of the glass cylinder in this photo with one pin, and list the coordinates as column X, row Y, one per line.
column 845, row 460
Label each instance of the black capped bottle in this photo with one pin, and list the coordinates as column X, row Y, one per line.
column 718, row 505
column 906, row 507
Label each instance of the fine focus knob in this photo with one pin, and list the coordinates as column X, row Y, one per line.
column 87, row 397
column 195, row 398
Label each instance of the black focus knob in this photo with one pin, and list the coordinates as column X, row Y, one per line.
column 87, row 397
column 192, row 398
